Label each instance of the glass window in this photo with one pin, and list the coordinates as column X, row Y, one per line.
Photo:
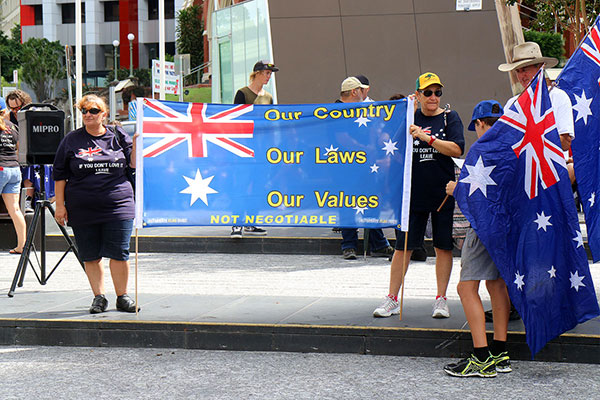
column 111, row 11
column 240, row 38
column 153, row 9
column 37, row 15
column 225, row 70
column 68, row 13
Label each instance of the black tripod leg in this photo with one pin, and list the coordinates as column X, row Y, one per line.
column 67, row 237
column 24, row 259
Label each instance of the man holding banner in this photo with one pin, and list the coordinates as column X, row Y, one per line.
column 354, row 91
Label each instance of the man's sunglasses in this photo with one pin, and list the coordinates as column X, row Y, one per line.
column 16, row 108
column 429, row 92
column 93, row 111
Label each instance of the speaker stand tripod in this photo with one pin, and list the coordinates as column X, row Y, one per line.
column 41, row 205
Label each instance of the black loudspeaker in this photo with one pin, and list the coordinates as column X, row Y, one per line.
column 41, row 128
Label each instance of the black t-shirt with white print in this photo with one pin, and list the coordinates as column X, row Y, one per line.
column 431, row 170
column 97, row 188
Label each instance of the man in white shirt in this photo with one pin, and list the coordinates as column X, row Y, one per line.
column 527, row 60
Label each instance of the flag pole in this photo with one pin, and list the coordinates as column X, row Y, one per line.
column 443, row 202
column 136, row 273
column 404, row 262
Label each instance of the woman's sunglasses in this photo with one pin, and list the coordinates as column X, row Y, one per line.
column 93, row 111
column 429, row 92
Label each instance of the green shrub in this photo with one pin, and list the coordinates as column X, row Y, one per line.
column 551, row 44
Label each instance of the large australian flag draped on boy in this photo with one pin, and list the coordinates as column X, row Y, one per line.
column 581, row 80
column 319, row 165
column 515, row 191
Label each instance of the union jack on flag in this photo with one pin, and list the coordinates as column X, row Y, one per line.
column 533, row 235
column 532, row 114
column 591, row 44
column 89, row 152
column 176, row 123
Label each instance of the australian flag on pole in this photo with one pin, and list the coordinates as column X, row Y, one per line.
column 515, row 191
column 581, row 80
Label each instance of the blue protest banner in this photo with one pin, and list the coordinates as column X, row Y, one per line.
column 317, row 165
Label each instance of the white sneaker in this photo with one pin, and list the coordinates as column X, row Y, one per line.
column 236, row 232
column 440, row 308
column 387, row 308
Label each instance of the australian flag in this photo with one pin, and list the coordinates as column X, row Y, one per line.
column 581, row 80
column 515, row 191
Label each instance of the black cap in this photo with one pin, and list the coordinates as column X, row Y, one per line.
column 363, row 79
column 263, row 65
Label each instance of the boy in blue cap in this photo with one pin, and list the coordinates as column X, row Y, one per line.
column 477, row 265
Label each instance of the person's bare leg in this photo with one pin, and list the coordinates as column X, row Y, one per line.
column 11, row 200
column 471, row 302
column 119, row 270
column 396, row 270
column 95, row 273
column 443, row 268
column 500, row 307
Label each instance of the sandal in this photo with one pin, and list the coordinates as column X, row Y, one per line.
column 15, row 251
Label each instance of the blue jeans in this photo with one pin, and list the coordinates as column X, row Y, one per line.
column 108, row 239
column 377, row 240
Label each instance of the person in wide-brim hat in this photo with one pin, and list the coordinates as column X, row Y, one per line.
column 526, row 54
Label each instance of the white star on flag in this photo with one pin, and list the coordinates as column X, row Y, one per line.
column 374, row 168
column 576, row 280
column 519, row 280
column 389, row 147
column 479, row 177
column 582, row 107
column 552, row 272
column 543, row 221
column 198, row 188
column 330, row 149
column 578, row 239
column 360, row 210
column 362, row 120
column 592, row 199
column 416, row 142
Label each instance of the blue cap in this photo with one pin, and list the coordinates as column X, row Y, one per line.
column 2, row 104
column 485, row 110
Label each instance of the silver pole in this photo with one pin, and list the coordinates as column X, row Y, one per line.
column 78, row 58
column 161, row 46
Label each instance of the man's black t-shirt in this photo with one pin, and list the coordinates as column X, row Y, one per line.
column 431, row 170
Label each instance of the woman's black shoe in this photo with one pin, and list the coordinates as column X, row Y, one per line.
column 126, row 304
column 99, row 305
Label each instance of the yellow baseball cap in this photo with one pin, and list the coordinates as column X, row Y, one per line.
column 427, row 79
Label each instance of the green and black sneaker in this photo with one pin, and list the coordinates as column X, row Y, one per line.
column 502, row 362
column 471, row 366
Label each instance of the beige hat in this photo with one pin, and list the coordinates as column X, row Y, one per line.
column 352, row 83
column 525, row 54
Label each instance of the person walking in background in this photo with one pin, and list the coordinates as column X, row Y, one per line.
column 254, row 93
column 477, row 265
column 10, row 177
column 16, row 100
column 365, row 90
column 95, row 197
column 438, row 136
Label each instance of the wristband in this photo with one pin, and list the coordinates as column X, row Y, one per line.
column 432, row 140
